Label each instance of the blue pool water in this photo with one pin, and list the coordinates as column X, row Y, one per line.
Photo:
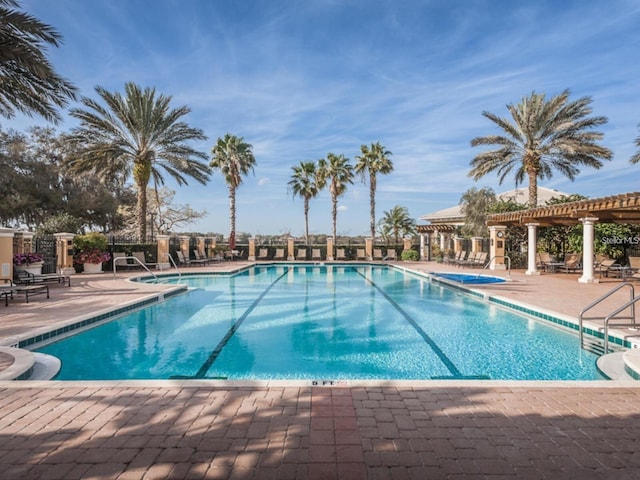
column 470, row 278
column 322, row 322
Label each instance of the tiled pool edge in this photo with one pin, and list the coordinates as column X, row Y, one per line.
column 44, row 334
column 555, row 318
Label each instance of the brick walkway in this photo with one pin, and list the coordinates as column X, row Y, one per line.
column 293, row 430
column 442, row 430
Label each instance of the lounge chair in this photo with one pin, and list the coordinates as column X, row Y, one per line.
column 464, row 258
column 9, row 290
column 392, row 256
column 140, row 256
column 279, row 255
column 21, row 277
column 605, row 266
column 571, row 263
column 316, row 254
column 479, row 260
column 340, row 255
column 263, row 254
column 120, row 260
column 302, row 254
column 183, row 260
column 377, row 254
column 361, row 254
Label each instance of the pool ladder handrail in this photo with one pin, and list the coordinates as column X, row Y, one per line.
column 630, row 304
column 135, row 259
column 173, row 262
column 488, row 264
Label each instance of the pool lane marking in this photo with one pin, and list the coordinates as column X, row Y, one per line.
column 425, row 336
column 214, row 355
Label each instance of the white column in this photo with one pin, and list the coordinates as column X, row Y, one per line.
column 422, row 247
column 532, row 248
column 443, row 241
column 587, row 250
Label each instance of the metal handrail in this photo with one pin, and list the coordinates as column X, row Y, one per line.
column 171, row 260
column 115, row 262
column 492, row 259
column 630, row 303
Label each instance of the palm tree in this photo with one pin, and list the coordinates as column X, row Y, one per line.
column 543, row 136
column 137, row 135
column 373, row 161
column 397, row 221
column 338, row 171
column 636, row 157
column 29, row 83
column 306, row 184
column 234, row 158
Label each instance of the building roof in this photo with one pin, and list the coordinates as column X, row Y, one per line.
column 454, row 215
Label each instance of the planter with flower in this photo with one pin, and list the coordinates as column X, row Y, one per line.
column 30, row 262
column 91, row 251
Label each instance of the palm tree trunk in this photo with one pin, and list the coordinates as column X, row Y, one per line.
column 232, row 217
column 372, row 206
column 142, row 212
column 533, row 189
column 306, row 220
column 334, row 215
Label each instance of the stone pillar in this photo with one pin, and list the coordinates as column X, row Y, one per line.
column 200, row 245
column 184, row 246
column 406, row 244
column 291, row 254
column 368, row 248
column 476, row 244
column 457, row 244
column 532, row 249
column 422, row 246
column 162, row 255
column 64, row 253
column 587, row 250
column 252, row 249
column 497, row 247
column 6, row 254
column 329, row 249
column 443, row 242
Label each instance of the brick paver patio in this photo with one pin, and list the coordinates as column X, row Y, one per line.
column 293, row 430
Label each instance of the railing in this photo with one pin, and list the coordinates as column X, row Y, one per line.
column 173, row 262
column 488, row 264
column 135, row 259
column 629, row 304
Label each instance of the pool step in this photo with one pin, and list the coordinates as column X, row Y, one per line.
column 620, row 366
column 19, row 364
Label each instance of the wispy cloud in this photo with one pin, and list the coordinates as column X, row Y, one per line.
column 301, row 79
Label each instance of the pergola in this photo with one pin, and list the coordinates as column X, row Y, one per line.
column 623, row 208
column 433, row 228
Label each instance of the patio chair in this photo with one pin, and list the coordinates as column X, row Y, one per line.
column 544, row 260
column 464, row 258
column 316, row 254
column 361, row 254
column 479, row 260
column 377, row 254
column 302, row 254
column 391, row 255
column 120, row 260
column 606, row 266
column 279, row 255
column 571, row 263
column 21, row 277
column 340, row 255
column 140, row 256
column 263, row 254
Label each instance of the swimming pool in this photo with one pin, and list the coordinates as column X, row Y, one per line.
column 470, row 278
column 322, row 322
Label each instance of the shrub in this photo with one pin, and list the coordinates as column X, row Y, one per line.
column 410, row 256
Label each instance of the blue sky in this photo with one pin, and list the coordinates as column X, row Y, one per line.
column 300, row 79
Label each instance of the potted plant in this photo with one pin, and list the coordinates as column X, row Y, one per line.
column 29, row 261
column 91, row 251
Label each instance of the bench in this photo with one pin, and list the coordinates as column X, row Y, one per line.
column 31, row 290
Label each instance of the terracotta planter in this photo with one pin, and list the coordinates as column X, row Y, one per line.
column 93, row 268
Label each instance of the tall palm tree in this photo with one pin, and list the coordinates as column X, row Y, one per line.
column 29, row 82
column 371, row 162
column 636, row 157
column 137, row 135
column 397, row 221
column 544, row 135
column 338, row 172
column 234, row 158
column 306, row 184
